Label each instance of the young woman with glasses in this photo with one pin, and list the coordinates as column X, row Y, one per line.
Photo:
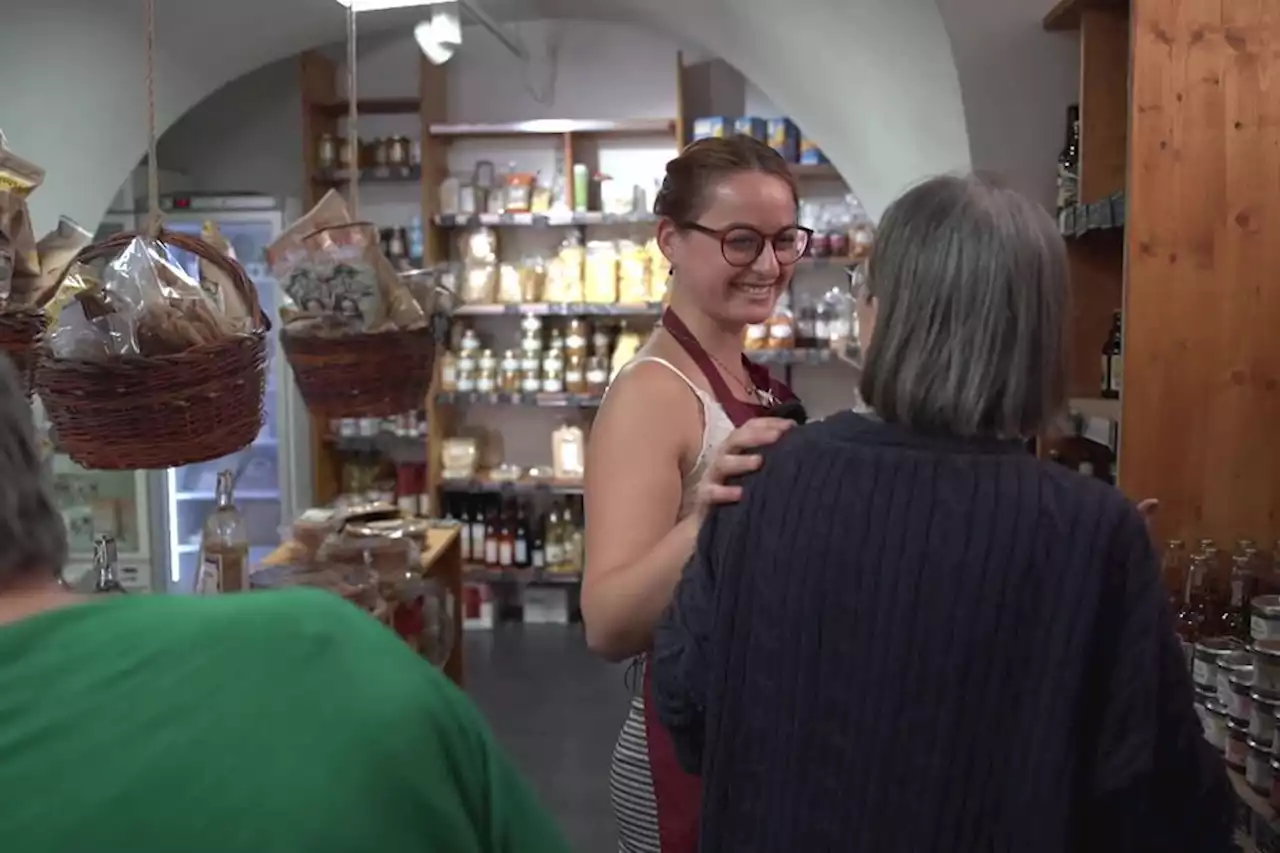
column 680, row 419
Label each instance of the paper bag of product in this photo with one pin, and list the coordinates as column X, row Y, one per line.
column 56, row 251
column 335, row 278
column 19, row 259
column 17, row 174
column 217, row 284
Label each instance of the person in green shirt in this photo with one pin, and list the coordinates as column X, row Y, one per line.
column 265, row 722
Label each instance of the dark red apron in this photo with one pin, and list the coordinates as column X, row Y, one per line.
column 677, row 793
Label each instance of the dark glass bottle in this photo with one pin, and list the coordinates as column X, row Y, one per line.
column 1112, row 361
column 491, row 537
column 477, row 532
column 1069, row 162
column 464, row 529
column 523, row 557
column 1235, row 621
column 506, row 540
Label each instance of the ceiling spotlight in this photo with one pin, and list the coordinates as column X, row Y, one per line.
column 440, row 36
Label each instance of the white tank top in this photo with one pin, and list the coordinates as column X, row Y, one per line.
column 716, row 427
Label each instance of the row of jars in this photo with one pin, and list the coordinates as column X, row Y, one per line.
column 1238, row 702
column 576, row 361
column 827, row 322
column 335, row 152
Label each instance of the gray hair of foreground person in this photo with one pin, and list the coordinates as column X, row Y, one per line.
column 33, row 537
column 969, row 286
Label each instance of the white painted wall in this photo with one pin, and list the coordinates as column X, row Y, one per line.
column 873, row 81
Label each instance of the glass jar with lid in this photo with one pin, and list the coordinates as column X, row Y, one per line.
column 575, row 339
column 531, row 373
column 509, row 372
column 597, row 374
column 553, row 372
column 468, row 341
column 575, row 374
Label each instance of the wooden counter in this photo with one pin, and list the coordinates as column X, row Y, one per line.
column 441, row 559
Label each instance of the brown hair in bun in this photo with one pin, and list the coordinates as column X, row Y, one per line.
column 704, row 163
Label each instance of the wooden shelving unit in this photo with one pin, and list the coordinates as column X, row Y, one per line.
column 1179, row 169
column 700, row 91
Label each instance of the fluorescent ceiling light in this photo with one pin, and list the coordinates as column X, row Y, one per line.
column 379, row 5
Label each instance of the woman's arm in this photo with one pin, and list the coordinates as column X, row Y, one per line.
column 635, row 549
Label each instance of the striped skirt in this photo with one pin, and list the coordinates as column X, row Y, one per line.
column 631, row 786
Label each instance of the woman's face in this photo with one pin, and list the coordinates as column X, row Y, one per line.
column 735, row 206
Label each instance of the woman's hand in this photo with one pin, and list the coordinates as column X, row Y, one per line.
column 735, row 458
column 1147, row 509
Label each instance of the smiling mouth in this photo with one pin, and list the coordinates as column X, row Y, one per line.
column 754, row 289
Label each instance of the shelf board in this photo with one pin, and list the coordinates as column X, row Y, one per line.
column 816, row 171
column 819, row 263
column 240, row 495
column 372, row 175
column 561, row 309
column 792, row 356
column 557, row 127
column 507, row 398
column 482, row 485
column 1065, row 14
column 1096, row 407
column 479, row 573
column 371, row 106
column 1081, row 219
column 542, row 220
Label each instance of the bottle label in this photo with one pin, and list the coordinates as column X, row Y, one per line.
column 1261, row 628
column 539, row 559
column 477, row 540
column 1105, row 384
column 464, row 536
column 209, row 575
column 522, row 553
column 491, row 551
column 1201, row 674
column 504, row 554
column 1117, row 373
column 554, row 554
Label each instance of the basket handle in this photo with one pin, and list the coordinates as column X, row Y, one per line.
column 118, row 242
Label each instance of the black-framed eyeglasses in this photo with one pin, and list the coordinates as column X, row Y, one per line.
column 741, row 246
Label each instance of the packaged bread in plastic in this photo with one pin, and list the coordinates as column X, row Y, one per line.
column 19, row 258
column 217, row 284
column 56, row 251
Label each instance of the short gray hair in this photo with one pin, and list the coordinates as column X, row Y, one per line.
column 33, row 537
column 970, row 281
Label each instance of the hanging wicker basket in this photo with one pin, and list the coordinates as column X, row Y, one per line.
column 364, row 375
column 140, row 412
column 20, row 333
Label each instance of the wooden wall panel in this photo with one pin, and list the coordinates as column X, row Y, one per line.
column 1104, row 101
column 1201, row 403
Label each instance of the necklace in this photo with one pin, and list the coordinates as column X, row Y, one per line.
column 765, row 398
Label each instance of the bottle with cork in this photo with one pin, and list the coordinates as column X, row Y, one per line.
column 224, row 545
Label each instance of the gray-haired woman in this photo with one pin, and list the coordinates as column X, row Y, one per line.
column 911, row 634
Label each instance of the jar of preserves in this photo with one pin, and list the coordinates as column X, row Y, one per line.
column 398, row 151
column 487, row 362
column 531, row 373
column 469, row 342
column 597, row 374
column 448, row 372
column 509, row 372
column 381, row 151
column 530, row 334
column 345, row 151
column 755, row 336
column 782, row 327
column 553, row 372
column 575, row 339
column 327, row 152
column 575, row 374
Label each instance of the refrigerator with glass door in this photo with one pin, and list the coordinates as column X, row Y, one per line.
column 273, row 473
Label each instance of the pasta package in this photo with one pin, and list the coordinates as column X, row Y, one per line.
column 56, row 251
column 18, row 175
column 19, row 258
column 217, row 285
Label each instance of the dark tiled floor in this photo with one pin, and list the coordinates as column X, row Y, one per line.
column 557, row 709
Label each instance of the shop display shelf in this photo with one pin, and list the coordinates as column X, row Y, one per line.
column 561, row 309
column 1107, row 215
column 791, row 356
column 543, row 220
column 819, row 263
column 371, row 106
column 480, row 573
column 402, row 450
column 506, row 398
column 557, row 127
column 1096, row 407
column 483, row 485
column 372, row 175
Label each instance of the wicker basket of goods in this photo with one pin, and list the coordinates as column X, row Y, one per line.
column 358, row 335
column 147, row 368
column 27, row 267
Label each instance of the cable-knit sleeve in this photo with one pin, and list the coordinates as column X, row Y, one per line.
column 1152, row 782
column 681, row 647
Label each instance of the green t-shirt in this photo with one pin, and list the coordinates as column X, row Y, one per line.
column 273, row 722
